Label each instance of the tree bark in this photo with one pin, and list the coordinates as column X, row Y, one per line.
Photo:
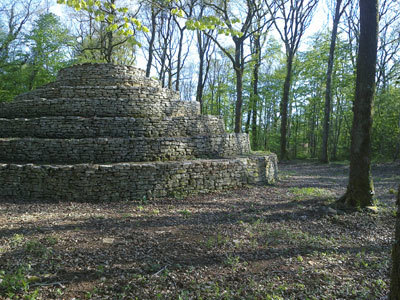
column 151, row 42
column 397, row 152
column 200, row 86
column 203, row 47
column 179, row 63
column 239, row 84
column 395, row 273
column 256, row 69
column 328, row 90
column 360, row 189
column 249, row 111
column 284, row 106
column 239, row 100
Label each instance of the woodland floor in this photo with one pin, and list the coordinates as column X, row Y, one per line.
column 258, row 242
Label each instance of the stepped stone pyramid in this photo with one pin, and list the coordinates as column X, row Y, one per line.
column 106, row 132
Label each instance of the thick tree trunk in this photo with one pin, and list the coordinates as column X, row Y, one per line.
column 239, row 85
column 395, row 273
column 284, row 107
column 328, row 90
column 360, row 189
column 239, row 100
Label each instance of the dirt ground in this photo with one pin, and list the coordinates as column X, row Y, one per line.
column 286, row 241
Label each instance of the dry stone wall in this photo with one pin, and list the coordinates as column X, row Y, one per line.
column 96, row 182
column 106, row 132
column 91, row 127
column 112, row 150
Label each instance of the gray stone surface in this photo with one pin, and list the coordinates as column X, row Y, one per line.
column 106, row 132
column 91, row 127
column 124, row 181
column 107, row 150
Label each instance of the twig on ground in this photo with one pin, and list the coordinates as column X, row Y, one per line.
column 159, row 271
column 49, row 284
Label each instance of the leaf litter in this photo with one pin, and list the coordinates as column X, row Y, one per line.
column 286, row 241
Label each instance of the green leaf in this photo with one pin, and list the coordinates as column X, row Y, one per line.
column 110, row 18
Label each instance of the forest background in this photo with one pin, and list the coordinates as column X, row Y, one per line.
column 257, row 64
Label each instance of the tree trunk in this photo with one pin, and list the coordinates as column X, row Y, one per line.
column 311, row 139
column 395, row 273
column 360, row 189
column 337, row 128
column 397, row 152
column 239, row 85
column 239, row 100
column 200, row 84
column 284, row 106
column 32, row 77
column 109, row 47
column 254, row 116
column 255, row 93
column 151, row 43
column 247, row 126
column 179, row 63
column 328, row 90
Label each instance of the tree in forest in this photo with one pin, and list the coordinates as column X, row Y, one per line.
column 239, row 29
column 339, row 10
column 309, row 85
column 395, row 272
column 257, row 41
column 384, row 125
column 360, row 189
column 48, row 42
column 306, row 103
column 118, row 25
column 205, row 50
column 186, row 9
column 385, row 130
column 151, row 13
column 91, row 40
column 165, row 47
column 219, row 93
column 15, row 18
column 167, row 38
column 296, row 16
column 270, row 93
column 389, row 45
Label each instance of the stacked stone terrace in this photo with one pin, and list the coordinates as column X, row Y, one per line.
column 106, row 132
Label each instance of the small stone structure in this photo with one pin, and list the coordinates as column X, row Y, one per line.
column 106, row 132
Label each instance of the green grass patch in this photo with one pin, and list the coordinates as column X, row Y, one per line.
column 260, row 153
column 285, row 174
column 274, row 236
column 341, row 162
column 185, row 213
column 15, row 284
column 310, row 192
